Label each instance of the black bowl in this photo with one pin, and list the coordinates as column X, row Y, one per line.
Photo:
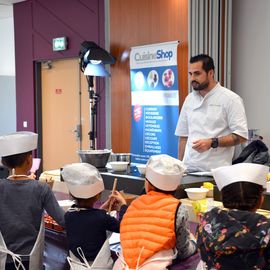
column 97, row 158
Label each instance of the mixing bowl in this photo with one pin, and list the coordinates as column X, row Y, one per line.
column 97, row 158
column 121, row 157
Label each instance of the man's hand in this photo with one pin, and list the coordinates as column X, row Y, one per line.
column 202, row 145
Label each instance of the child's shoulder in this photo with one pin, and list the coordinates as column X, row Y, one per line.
column 85, row 214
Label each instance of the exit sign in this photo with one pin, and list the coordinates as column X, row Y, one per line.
column 59, row 44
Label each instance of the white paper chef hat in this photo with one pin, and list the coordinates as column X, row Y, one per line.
column 241, row 172
column 164, row 172
column 83, row 180
column 17, row 143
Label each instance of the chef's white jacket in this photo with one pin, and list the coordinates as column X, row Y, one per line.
column 218, row 114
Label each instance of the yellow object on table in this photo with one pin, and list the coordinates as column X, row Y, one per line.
column 195, row 208
column 200, row 206
column 208, row 185
column 268, row 176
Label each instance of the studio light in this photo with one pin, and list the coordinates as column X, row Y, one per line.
column 90, row 51
column 92, row 61
column 96, row 70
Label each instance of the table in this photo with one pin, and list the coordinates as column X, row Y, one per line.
column 56, row 246
column 56, row 242
column 132, row 182
column 55, row 251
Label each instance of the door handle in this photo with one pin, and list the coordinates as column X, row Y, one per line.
column 78, row 131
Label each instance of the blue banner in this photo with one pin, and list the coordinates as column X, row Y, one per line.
column 155, row 100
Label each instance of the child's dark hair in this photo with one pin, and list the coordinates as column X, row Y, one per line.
column 242, row 196
column 85, row 202
column 15, row 160
column 160, row 190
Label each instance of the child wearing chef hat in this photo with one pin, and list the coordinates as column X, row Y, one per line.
column 22, row 202
column 155, row 224
column 237, row 237
column 86, row 225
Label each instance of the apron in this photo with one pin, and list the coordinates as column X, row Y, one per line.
column 159, row 261
column 35, row 256
column 102, row 261
column 202, row 266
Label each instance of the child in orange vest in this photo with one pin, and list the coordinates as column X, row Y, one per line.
column 155, row 229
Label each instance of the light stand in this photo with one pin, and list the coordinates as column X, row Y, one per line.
column 94, row 98
column 92, row 59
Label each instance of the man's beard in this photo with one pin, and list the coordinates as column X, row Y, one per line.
column 199, row 86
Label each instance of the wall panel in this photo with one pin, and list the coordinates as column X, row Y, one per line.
column 36, row 23
column 139, row 22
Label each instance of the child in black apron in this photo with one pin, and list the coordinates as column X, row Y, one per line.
column 86, row 225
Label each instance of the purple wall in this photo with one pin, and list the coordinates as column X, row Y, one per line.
column 36, row 23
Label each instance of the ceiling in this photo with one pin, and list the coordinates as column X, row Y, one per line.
column 6, row 8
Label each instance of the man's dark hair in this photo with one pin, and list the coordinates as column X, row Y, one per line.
column 15, row 160
column 207, row 61
column 242, row 196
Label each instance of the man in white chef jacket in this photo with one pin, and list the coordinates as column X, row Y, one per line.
column 212, row 120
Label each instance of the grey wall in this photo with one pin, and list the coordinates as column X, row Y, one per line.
column 8, row 104
column 251, row 61
column 7, row 72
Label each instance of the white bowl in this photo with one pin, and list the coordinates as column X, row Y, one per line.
column 119, row 166
column 141, row 168
column 196, row 193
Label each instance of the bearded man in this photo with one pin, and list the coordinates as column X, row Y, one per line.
column 211, row 122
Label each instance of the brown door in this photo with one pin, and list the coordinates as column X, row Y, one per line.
column 65, row 108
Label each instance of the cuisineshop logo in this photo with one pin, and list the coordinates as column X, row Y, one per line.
column 158, row 55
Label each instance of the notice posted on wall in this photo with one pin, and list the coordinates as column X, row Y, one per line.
column 155, row 100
